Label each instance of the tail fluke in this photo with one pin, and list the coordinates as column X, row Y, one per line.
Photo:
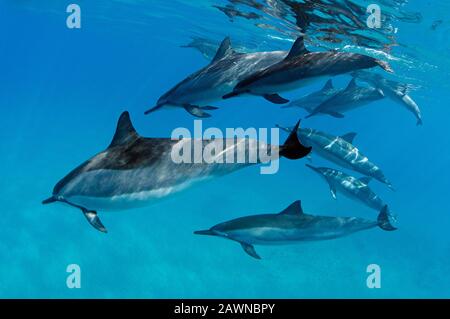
column 292, row 148
column 384, row 219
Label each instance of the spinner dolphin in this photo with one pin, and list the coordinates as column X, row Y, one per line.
column 134, row 171
column 292, row 226
column 210, row 83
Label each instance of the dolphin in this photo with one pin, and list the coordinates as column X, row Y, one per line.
column 231, row 12
column 134, row 171
column 352, row 97
column 311, row 101
column 205, row 46
column 357, row 189
column 398, row 92
column 210, row 83
column 291, row 226
column 300, row 68
column 341, row 151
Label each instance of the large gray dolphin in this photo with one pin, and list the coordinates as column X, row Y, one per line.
column 300, row 68
column 341, row 151
column 352, row 187
column 291, row 226
column 312, row 100
column 352, row 97
column 397, row 91
column 134, row 171
column 210, row 83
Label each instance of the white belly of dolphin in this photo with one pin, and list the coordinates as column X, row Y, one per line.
column 120, row 190
column 125, row 201
column 279, row 236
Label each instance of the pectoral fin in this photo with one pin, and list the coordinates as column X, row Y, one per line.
column 90, row 215
column 196, row 111
column 209, row 108
column 275, row 98
column 94, row 220
column 250, row 250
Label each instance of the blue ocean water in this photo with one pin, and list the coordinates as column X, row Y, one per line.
column 63, row 90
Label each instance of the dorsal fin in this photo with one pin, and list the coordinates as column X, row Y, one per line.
column 125, row 131
column 351, row 84
column 298, row 48
column 328, row 85
column 294, row 209
column 224, row 50
column 349, row 137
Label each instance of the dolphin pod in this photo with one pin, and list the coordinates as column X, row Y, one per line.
column 291, row 226
column 134, row 171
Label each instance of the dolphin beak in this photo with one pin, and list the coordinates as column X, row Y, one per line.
column 208, row 232
column 313, row 168
column 49, row 200
column 153, row 109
